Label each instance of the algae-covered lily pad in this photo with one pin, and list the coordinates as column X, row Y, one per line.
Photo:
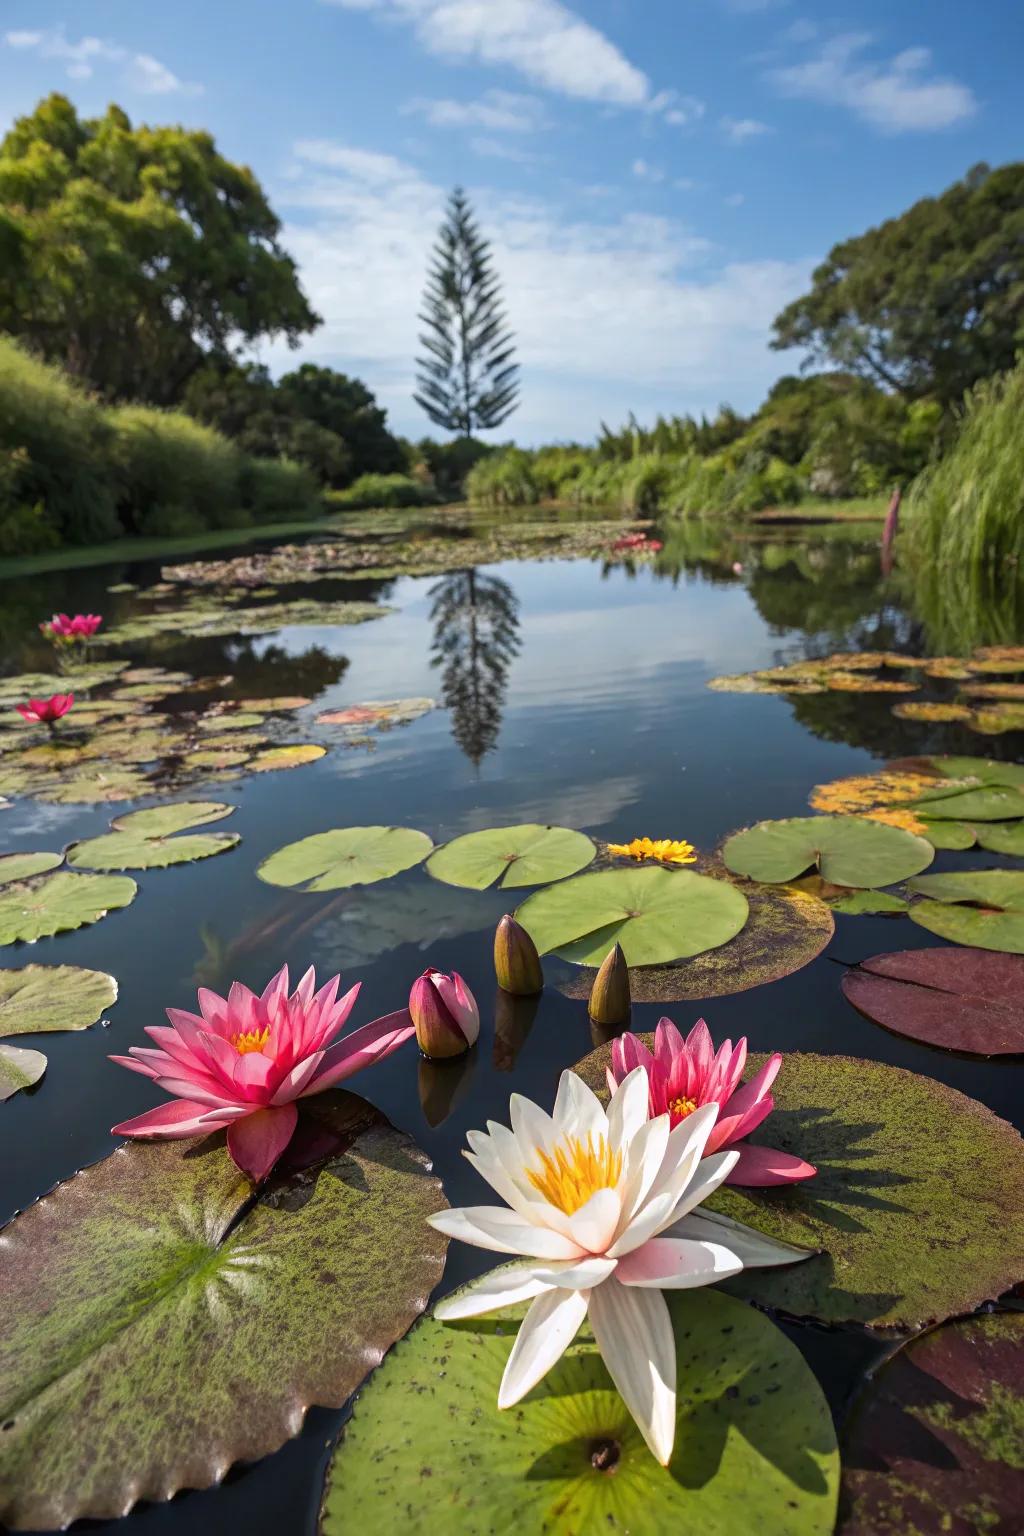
column 154, row 1279
column 20, row 866
column 754, row 1446
column 848, row 850
column 893, row 1217
column 657, row 915
column 44, row 998
column 286, row 757
column 983, row 908
column 960, row 999
column 329, row 861
column 19, row 1068
column 932, row 714
column 511, row 857
column 56, row 903
column 935, row 1442
column 144, row 840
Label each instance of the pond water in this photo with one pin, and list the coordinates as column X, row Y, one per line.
column 578, row 696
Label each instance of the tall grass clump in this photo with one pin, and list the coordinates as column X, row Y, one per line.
column 376, row 490
column 503, row 480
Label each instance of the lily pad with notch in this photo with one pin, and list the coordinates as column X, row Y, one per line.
column 57, row 903
column 146, row 840
column 345, row 856
column 983, row 908
column 512, row 857
column 20, row 866
column 44, row 999
column 959, row 999
column 847, row 850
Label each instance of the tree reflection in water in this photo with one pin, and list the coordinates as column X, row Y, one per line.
column 476, row 638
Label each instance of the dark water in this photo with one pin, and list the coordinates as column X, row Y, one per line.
column 584, row 703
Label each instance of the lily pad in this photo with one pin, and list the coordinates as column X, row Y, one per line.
column 932, row 713
column 980, row 907
column 657, row 915
column 1002, row 837
column 875, row 795
column 935, row 1442
column 961, row 999
column 19, row 866
column 848, row 850
column 952, row 835
column 987, row 769
column 50, row 904
column 286, row 757
column 243, row 720
column 143, row 840
column 330, row 861
column 893, row 1218
column 987, row 802
column 44, row 998
column 511, row 857
column 868, row 903
column 154, row 1279
column 754, row 1447
column 786, row 929
column 19, row 1068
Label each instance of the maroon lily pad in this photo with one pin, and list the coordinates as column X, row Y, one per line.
column 960, row 999
column 935, row 1444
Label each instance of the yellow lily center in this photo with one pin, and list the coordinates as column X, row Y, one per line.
column 250, row 1040
column 680, row 1108
column 576, row 1170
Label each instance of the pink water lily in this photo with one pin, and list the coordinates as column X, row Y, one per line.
column 46, row 711
column 683, row 1075
column 62, row 627
column 245, row 1061
column 444, row 1013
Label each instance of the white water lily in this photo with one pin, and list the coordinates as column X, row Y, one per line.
column 598, row 1216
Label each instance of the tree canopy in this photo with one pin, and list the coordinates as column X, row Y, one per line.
column 130, row 255
column 929, row 302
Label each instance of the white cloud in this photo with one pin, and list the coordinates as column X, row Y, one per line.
column 897, row 96
column 738, row 130
column 140, row 72
column 644, row 171
column 542, row 39
column 610, row 313
column 497, row 111
column 734, row 200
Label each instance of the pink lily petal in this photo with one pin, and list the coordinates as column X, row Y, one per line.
column 751, row 1093
column 135, row 1066
column 294, row 1083
column 761, row 1166
column 257, row 1141
column 751, row 1119
column 371, row 1043
column 168, row 1122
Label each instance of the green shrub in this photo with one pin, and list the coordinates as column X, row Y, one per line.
column 172, row 472
column 384, row 491
column 278, row 488
column 503, row 480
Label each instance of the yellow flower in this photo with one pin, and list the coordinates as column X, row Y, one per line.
column 668, row 850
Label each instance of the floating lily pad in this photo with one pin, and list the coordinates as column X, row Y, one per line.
column 987, row 769
column 936, row 714
column 841, row 682
column 1001, row 837
column 286, row 757
column 935, row 1442
column 56, row 903
column 997, row 719
column 217, row 758
column 19, row 1068
column 19, row 866
column 657, row 915
column 153, row 1279
column 511, row 857
column 868, row 903
column 272, row 706
column 94, row 784
column 990, row 802
column 983, row 908
column 879, row 796
column 143, row 839
column 998, row 658
column 754, row 1447
column 960, row 999
column 848, row 850
column 44, row 998
column 952, row 835
column 330, row 861
column 226, row 721
column 380, row 713
column 785, row 930
column 893, row 1217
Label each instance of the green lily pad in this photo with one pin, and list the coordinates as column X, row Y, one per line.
column 657, row 915
column 95, row 784
column 935, row 1441
column 987, row 769
column 868, row 903
column 242, row 721
column 330, row 861
column 983, row 908
column 286, row 757
column 19, row 866
column 159, row 1324
column 954, row 835
column 754, row 1447
column 848, row 850
column 143, row 840
column 1002, row 837
column 511, row 857
column 893, row 1219
column 163, row 820
column 993, row 802
column 50, row 904
column 44, row 998
column 19, row 1068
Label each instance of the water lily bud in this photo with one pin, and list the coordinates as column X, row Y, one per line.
column 444, row 1013
column 609, row 998
column 516, row 961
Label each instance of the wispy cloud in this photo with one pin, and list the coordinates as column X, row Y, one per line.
column 643, row 170
column 495, row 111
column 898, row 95
column 140, row 72
column 739, row 130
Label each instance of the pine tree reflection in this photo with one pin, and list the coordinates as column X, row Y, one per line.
column 476, row 638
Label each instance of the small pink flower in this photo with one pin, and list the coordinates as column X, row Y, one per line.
column 46, row 711
column 685, row 1074
column 64, row 628
column 245, row 1061
column 445, row 1014
column 737, row 568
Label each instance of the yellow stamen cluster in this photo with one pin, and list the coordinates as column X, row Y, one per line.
column 680, row 1108
column 251, row 1040
column 668, row 850
column 576, row 1170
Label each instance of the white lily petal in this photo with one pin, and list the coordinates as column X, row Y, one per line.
column 531, row 1127
column 627, row 1109
column 508, row 1157
column 490, row 1168
column 685, row 1148
column 504, row 1231
column 673, row 1198
column 593, row 1225
column 578, row 1111
column 502, row 1287
column 575, row 1274
column 711, row 1172
column 753, row 1249
column 677, row 1264
column 643, row 1159
column 544, row 1335
column 633, row 1331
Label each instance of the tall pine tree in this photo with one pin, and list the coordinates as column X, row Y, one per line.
column 467, row 376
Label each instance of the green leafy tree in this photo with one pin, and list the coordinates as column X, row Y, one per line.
column 336, row 403
column 929, row 302
column 130, row 255
column 467, row 376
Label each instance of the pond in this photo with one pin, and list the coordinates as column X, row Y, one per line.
column 568, row 688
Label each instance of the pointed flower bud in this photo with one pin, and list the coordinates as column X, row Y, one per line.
column 610, row 998
column 516, row 961
column 444, row 1013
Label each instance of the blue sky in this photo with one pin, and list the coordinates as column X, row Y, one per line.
column 658, row 177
